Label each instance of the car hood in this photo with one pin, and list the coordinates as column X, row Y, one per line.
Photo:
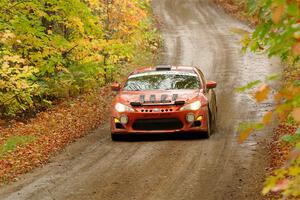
column 158, row 96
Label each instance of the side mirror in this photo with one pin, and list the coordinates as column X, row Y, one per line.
column 115, row 87
column 211, row 85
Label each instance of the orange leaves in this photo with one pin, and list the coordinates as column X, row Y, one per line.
column 296, row 49
column 262, row 93
column 267, row 118
column 296, row 114
column 245, row 134
column 52, row 130
column 277, row 13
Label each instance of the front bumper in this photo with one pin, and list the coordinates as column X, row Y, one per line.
column 157, row 120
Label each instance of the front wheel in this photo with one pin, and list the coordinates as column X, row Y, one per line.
column 209, row 128
column 115, row 137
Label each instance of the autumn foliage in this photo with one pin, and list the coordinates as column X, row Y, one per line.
column 62, row 53
column 54, row 49
column 277, row 33
column 26, row 145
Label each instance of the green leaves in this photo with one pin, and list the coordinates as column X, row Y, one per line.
column 278, row 34
column 248, row 86
column 43, row 42
column 278, row 28
column 292, row 138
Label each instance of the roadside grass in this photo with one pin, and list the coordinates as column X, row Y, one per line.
column 13, row 142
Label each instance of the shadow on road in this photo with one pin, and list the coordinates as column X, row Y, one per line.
column 160, row 137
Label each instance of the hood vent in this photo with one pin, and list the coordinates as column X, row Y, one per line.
column 152, row 98
column 174, row 97
column 135, row 104
column 163, row 68
column 177, row 103
column 142, row 98
column 153, row 101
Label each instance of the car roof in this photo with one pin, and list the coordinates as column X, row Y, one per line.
column 163, row 68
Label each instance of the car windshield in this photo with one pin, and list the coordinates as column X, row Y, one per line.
column 162, row 80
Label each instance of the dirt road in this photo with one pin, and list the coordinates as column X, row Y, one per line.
column 171, row 168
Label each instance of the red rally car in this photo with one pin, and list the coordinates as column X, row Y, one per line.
column 164, row 99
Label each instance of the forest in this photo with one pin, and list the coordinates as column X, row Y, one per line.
column 54, row 49
column 57, row 59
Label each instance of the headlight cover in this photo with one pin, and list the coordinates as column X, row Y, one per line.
column 123, row 108
column 192, row 106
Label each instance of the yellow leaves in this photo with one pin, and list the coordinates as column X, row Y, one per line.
column 294, row 170
column 75, row 22
column 245, row 134
column 296, row 49
column 262, row 93
column 14, row 59
column 267, row 118
column 49, row 32
column 5, row 66
column 297, row 35
column 296, row 114
column 62, row 68
column 6, row 36
column 95, row 4
column 2, row 84
column 277, row 13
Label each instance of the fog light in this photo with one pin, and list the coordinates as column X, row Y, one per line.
column 117, row 120
column 124, row 119
column 190, row 117
column 200, row 118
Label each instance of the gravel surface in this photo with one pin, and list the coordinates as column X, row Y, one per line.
column 195, row 32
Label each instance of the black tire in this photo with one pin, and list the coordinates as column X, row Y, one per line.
column 115, row 137
column 213, row 111
column 209, row 128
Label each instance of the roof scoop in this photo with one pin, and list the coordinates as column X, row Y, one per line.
column 163, row 68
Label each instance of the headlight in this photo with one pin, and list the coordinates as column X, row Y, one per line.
column 123, row 108
column 192, row 106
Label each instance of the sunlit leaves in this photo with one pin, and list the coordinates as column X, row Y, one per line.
column 262, row 93
column 278, row 34
column 296, row 35
column 296, row 114
column 246, row 128
column 296, row 49
column 67, row 45
column 267, row 118
column 245, row 134
column 277, row 13
column 248, row 86
column 279, row 28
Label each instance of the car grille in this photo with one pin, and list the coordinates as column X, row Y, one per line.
column 157, row 124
